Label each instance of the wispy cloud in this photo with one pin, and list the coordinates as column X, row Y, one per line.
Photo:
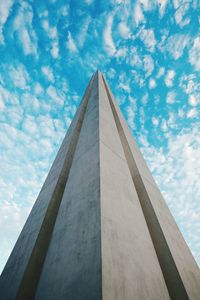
column 52, row 33
column 108, row 40
column 171, row 96
column 48, row 72
column 180, row 14
column 192, row 113
column 152, row 83
column 148, row 38
column 169, row 78
column 138, row 14
column 83, row 31
column 194, row 54
column 155, row 121
column 22, row 26
column 71, row 45
column 194, row 100
column 19, row 76
column 124, row 30
column 5, row 8
column 148, row 65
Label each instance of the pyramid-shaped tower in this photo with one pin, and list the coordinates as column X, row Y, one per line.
column 100, row 228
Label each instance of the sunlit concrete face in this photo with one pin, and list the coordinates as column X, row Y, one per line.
column 100, row 228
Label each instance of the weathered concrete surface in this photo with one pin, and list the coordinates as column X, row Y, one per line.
column 181, row 273
column 100, row 228
column 130, row 269
column 13, row 274
column 73, row 264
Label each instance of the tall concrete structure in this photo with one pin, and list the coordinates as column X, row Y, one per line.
column 100, row 228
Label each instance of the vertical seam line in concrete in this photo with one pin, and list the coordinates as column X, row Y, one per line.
column 101, row 264
column 31, row 276
column 176, row 289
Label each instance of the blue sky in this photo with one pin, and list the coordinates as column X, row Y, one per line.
column 149, row 51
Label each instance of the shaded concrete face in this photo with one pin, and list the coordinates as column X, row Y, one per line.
column 73, row 264
column 100, row 228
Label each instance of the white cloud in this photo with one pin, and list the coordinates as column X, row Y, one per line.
column 5, row 8
column 148, row 38
column 142, row 116
column 64, row 10
column 107, row 35
column 124, row 87
column 138, row 14
column 171, row 122
column 131, row 112
column 161, row 72
column 176, row 44
column 171, row 97
column 181, row 10
column 181, row 113
column 138, row 78
column 71, row 43
column 147, row 5
column 111, row 73
column 162, row 6
column 164, row 33
column 52, row 33
column 2, row 104
column 30, row 126
column 148, row 65
column 5, row 96
column 134, row 58
column 193, row 100
column 194, row 54
column 38, row 88
column 43, row 13
column 121, row 52
column 12, row 219
column 48, row 72
column 19, row 76
column 169, row 78
column 55, row 95
column 83, row 31
column 144, row 99
column 189, row 83
column 155, row 121
column 124, row 30
column 30, row 103
column 55, row 49
column 192, row 113
column 23, row 26
column 164, row 126
column 152, row 83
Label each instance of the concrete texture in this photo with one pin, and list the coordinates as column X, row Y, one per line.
column 100, row 228
column 181, row 273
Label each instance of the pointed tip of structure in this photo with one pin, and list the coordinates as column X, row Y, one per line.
column 98, row 72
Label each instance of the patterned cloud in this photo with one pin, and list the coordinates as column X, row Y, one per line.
column 149, row 52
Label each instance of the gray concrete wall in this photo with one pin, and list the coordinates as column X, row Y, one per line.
column 130, row 269
column 72, row 268
column 13, row 274
column 181, row 273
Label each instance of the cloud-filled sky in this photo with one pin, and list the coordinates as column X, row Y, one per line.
column 149, row 51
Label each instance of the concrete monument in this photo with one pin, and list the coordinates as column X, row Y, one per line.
column 100, row 228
